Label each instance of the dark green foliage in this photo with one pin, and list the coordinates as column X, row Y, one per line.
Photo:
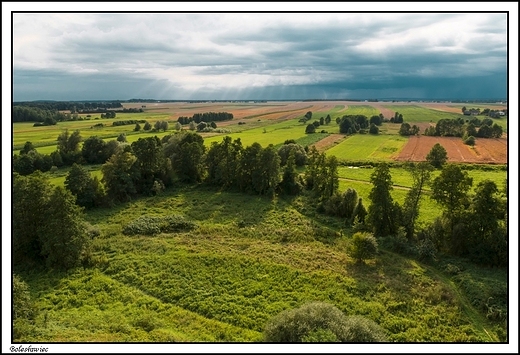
column 128, row 122
column 87, row 190
column 363, row 246
column 407, row 130
column 94, row 150
column 161, row 126
column 137, row 127
column 449, row 127
column 326, row 181
column 373, row 129
column 377, row 120
column 353, row 123
column 398, row 118
column 265, row 177
column 150, row 164
column 147, row 126
column 328, row 119
column 27, row 163
column 222, row 162
column 345, row 206
column 68, row 147
column 35, row 114
column 383, row 212
column 306, row 118
column 122, row 138
column 470, row 141
column 437, row 156
column 300, row 156
column 259, row 169
column 63, row 234
column 206, row 117
column 47, row 224
column 118, row 176
column 152, row 225
column 28, row 146
column 487, row 237
column 450, row 190
column 310, row 128
column 30, row 201
column 421, row 173
column 319, row 321
column 290, row 184
column 186, row 151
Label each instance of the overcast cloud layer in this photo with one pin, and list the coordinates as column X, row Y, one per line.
column 259, row 56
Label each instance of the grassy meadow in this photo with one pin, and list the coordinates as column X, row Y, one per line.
column 248, row 259
column 251, row 257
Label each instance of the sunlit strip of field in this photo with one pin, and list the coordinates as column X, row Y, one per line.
column 368, row 147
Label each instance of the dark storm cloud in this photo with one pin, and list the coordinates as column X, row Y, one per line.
column 250, row 55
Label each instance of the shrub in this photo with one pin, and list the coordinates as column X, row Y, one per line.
column 320, row 322
column 470, row 141
column 23, row 307
column 363, row 246
column 152, row 225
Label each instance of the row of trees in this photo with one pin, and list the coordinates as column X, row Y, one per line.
column 36, row 114
column 472, row 226
column 72, row 106
column 206, row 117
column 47, row 225
column 457, row 127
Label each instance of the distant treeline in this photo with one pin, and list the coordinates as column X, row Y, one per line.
column 206, row 117
column 35, row 114
column 73, row 106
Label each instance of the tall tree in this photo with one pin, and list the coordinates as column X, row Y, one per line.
column 151, row 164
column 450, row 189
column 118, row 176
column 186, row 152
column 63, row 234
column 87, row 190
column 68, row 147
column 47, row 225
column 437, row 156
column 290, row 184
column 30, row 201
column 93, row 150
column 383, row 212
column 421, row 174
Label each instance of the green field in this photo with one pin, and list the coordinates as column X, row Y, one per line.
column 275, row 133
column 365, row 110
column 368, row 147
column 414, row 113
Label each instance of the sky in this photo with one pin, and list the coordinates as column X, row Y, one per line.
column 264, row 56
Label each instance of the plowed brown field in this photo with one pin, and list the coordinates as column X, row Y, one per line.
column 486, row 150
column 329, row 141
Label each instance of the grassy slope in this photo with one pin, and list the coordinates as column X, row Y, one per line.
column 249, row 259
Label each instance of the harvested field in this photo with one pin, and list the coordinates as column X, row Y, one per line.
column 329, row 142
column 489, row 150
column 387, row 113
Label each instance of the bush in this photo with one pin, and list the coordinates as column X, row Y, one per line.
column 320, row 322
column 152, row 225
column 23, row 307
column 470, row 141
column 363, row 246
